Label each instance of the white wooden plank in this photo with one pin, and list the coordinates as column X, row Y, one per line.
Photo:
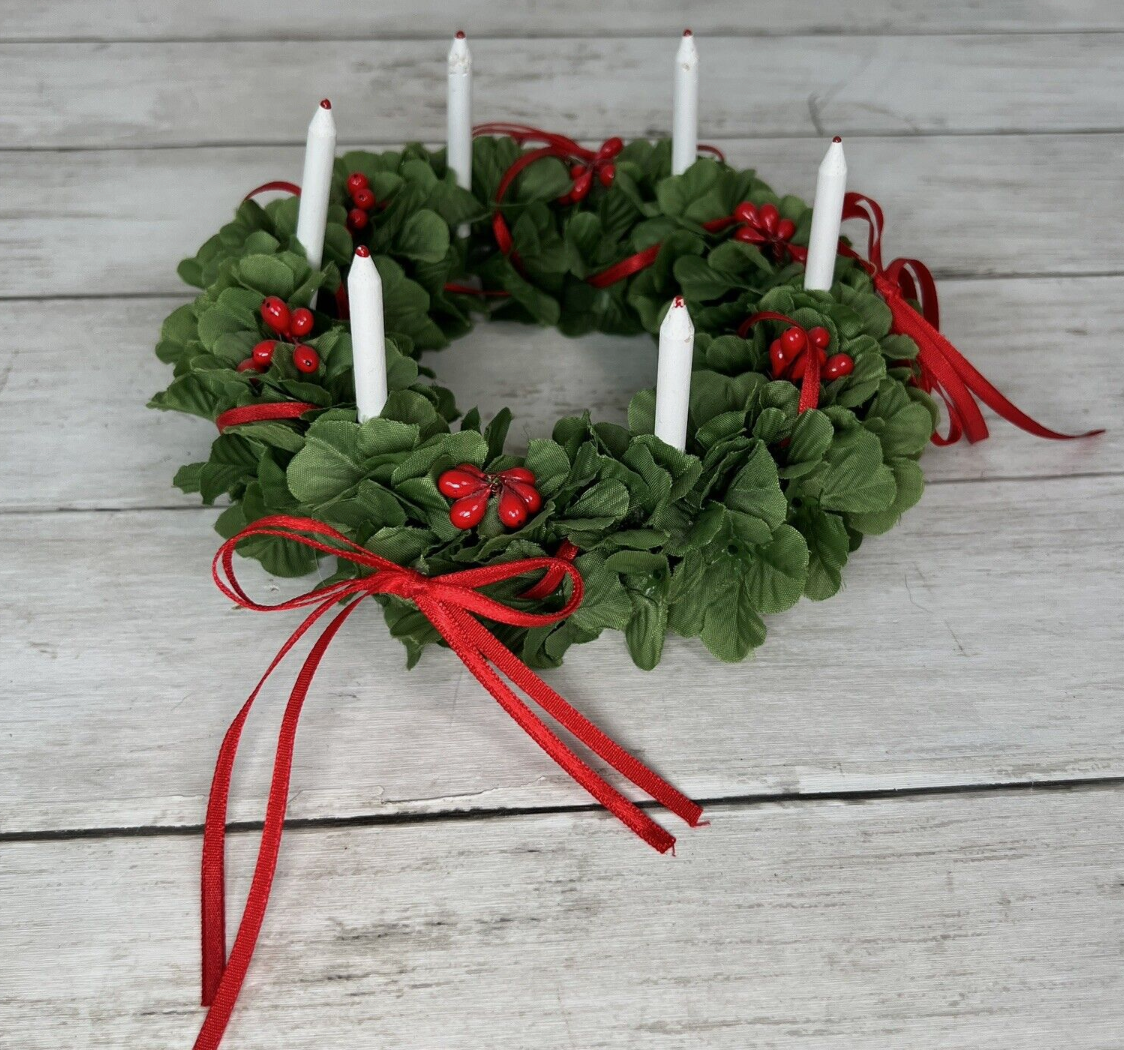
column 118, row 221
column 992, row 922
column 975, row 643
column 93, row 95
column 98, row 20
column 74, row 377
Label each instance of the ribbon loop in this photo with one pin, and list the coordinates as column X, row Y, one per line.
column 453, row 604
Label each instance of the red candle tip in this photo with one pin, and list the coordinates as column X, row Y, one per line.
column 678, row 301
column 837, row 139
column 687, row 32
column 460, row 34
column 325, row 103
column 363, row 251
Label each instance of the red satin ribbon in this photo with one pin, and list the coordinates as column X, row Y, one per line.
column 453, row 603
column 277, row 184
column 943, row 369
column 553, row 577
column 810, row 384
column 234, row 417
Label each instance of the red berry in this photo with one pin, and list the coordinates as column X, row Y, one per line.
column 778, row 358
column 785, row 229
column 748, row 234
column 262, row 354
column 513, row 511
column 581, row 185
column 566, row 198
column 577, row 171
column 363, row 198
column 458, row 482
column 301, row 322
column 469, row 511
column 357, row 181
column 610, row 148
column 530, row 496
column 768, row 217
column 606, row 173
column 820, row 337
column 746, row 212
column 248, row 365
column 356, row 219
column 794, row 339
column 275, row 314
column 838, row 365
column 518, row 474
column 306, row 359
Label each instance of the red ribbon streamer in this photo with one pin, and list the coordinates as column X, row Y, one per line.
column 943, row 368
column 452, row 603
column 810, row 384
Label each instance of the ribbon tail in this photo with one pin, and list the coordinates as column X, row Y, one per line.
column 810, row 386
column 486, row 647
column 962, row 383
column 221, row 993
column 998, row 403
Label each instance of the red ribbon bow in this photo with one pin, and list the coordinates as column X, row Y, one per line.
column 452, row 603
column 562, row 147
column 593, row 162
column 943, row 368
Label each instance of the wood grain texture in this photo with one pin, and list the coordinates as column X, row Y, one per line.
column 99, row 20
column 174, row 94
column 965, row 648
column 968, row 206
column 982, row 922
column 74, row 432
column 975, row 206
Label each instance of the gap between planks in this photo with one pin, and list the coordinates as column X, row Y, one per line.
column 718, row 803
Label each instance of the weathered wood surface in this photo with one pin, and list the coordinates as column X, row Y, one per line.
column 976, row 643
column 982, row 922
column 973, row 206
column 99, row 20
column 91, row 368
column 71, row 95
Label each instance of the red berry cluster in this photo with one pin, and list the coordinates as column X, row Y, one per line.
column 290, row 325
column 472, row 489
column 790, row 354
column 363, row 199
column 601, row 167
column 763, row 225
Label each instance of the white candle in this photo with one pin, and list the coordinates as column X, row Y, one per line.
column 827, row 214
column 319, row 157
column 368, row 344
column 459, row 113
column 673, row 374
column 685, row 122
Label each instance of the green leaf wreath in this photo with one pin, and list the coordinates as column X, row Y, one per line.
column 766, row 505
